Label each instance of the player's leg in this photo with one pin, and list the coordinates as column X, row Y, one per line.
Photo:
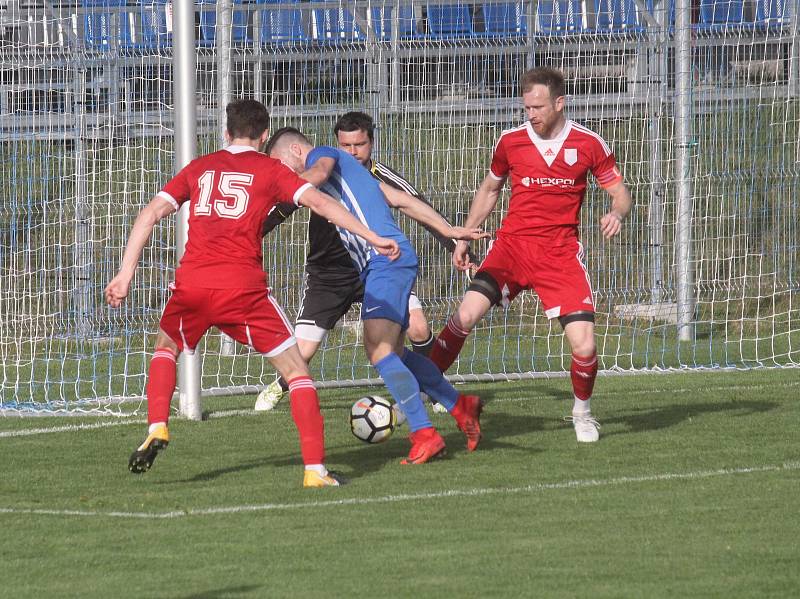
column 382, row 340
column 307, row 417
column 418, row 332
column 274, row 392
column 496, row 282
column 181, row 327
column 269, row 332
column 384, row 312
column 421, row 338
column 325, row 301
column 562, row 284
column 466, row 409
column 448, row 344
column 579, row 330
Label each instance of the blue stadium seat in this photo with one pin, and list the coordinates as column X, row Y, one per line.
column 720, row 14
column 561, row 17
column 97, row 23
column 147, row 27
column 772, row 13
column 240, row 33
column 450, row 21
column 336, row 24
column 618, row 16
column 407, row 22
column 506, row 19
column 280, row 26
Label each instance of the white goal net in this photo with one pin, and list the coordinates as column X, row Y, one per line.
column 87, row 138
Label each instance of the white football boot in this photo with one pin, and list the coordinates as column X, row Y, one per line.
column 269, row 397
column 587, row 429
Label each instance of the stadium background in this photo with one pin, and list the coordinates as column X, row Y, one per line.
column 87, row 138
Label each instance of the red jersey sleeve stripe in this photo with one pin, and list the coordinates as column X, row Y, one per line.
column 299, row 192
column 165, row 196
column 609, row 178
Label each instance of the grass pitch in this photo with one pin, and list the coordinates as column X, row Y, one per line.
column 691, row 492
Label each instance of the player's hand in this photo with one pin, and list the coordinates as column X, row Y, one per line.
column 117, row 290
column 386, row 247
column 461, row 256
column 610, row 224
column 469, row 234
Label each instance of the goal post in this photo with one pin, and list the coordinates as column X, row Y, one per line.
column 104, row 100
column 189, row 364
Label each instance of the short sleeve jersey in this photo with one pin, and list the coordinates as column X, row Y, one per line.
column 360, row 193
column 230, row 193
column 548, row 177
column 327, row 258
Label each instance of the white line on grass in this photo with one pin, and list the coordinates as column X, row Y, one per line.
column 67, row 428
column 265, row 507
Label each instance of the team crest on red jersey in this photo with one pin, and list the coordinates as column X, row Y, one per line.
column 570, row 156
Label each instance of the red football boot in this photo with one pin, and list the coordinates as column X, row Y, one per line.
column 467, row 413
column 426, row 444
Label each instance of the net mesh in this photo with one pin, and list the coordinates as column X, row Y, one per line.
column 86, row 139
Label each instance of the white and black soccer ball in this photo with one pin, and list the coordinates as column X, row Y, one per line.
column 373, row 419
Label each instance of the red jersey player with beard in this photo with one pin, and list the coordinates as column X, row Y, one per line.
column 537, row 245
column 221, row 280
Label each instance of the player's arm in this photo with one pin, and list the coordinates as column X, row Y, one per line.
column 621, row 203
column 446, row 242
column 277, row 214
column 482, row 205
column 423, row 213
column 117, row 290
column 320, row 171
column 333, row 211
column 384, row 174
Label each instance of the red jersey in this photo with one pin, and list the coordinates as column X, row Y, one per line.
column 548, row 177
column 230, row 194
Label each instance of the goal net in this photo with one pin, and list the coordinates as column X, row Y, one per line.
column 86, row 139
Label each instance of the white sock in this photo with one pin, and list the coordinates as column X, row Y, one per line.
column 154, row 426
column 318, row 468
column 581, row 406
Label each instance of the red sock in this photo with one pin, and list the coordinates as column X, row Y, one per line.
column 160, row 385
column 308, row 419
column 447, row 346
column 583, row 372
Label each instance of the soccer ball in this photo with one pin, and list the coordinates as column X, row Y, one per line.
column 373, row 419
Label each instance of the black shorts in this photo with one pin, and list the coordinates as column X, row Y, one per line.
column 326, row 299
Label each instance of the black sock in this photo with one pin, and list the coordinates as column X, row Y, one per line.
column 284, row 385
column 423, row 347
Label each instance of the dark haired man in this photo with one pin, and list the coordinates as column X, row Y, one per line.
column 332, row 283
column 221, row 280
column 537, row 246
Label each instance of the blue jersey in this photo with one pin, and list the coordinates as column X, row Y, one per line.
column 360, row 193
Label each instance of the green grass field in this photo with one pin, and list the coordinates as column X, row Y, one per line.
column 691, row 492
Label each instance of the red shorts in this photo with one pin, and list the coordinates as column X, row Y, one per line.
column 553, row 269
column 251, row 316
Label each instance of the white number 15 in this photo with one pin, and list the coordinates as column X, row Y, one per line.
column 234, row 190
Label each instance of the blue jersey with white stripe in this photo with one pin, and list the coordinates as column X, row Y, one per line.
column 360, row 193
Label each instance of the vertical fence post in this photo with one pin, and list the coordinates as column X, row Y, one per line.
column 658, row 98
column 223, row 59
column 185, row 70
column 683, row 168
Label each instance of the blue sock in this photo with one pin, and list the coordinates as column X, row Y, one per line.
column 405, row 390
column 431, row 381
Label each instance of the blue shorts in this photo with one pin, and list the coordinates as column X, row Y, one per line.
column 388, row 285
